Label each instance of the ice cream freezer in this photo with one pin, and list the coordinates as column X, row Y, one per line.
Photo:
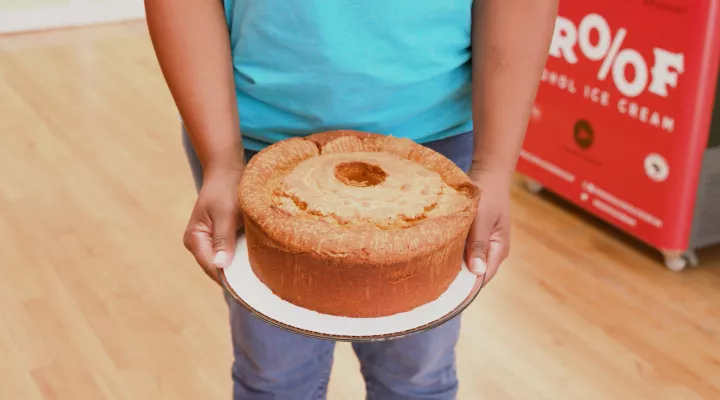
column 626, row 122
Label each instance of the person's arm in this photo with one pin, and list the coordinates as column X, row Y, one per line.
column 192, row 44
column 510, row 44
column 511, row 39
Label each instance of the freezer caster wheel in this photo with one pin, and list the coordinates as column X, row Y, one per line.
column 676, row 261
column 532, row 185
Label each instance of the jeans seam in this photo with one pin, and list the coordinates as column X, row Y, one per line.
column 324, row 382
column 369, row 392
column 322, row 389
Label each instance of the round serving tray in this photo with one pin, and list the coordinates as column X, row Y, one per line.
column 242, row 283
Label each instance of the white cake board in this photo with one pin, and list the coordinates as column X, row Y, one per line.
column 242, row 283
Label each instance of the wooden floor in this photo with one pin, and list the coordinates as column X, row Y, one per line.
column 99, row 299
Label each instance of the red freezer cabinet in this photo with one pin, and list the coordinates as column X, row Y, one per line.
column 626, row 122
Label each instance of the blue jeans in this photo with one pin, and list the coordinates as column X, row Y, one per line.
column 271, row 363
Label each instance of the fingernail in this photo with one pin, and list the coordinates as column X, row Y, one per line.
column 221, row 259
column 479, row 267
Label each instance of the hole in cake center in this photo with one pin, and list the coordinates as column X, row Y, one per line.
column 358, row 173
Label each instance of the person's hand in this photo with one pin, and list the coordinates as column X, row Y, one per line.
column 488, row 243
column 215, row 220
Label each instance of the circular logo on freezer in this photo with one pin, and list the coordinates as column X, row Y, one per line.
column 583, row 134
column 656, row 167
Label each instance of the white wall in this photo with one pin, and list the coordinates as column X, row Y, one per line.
column 74, row 13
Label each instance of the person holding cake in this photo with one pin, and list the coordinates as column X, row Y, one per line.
column 458, row 76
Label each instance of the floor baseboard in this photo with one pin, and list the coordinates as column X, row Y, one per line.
column 71, row 15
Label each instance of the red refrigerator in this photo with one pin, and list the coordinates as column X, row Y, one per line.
column 626, row 123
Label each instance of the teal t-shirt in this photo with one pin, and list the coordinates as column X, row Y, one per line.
column 398, row 67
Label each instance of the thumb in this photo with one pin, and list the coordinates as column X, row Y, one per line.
column 477, row 248
column 223, row 239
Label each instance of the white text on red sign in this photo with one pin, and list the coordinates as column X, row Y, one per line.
column 657, row 79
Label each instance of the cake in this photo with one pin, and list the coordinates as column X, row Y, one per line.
column 355, row 224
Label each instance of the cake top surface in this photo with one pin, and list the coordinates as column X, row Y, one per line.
column 346, row 193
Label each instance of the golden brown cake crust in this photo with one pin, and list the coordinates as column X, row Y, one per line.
column 363, row 271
